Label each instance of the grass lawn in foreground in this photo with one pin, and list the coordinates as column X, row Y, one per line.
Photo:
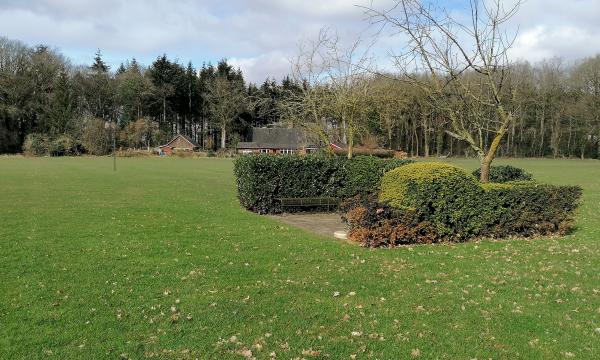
column 159, row 260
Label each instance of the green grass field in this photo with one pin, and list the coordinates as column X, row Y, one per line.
column 158, row 260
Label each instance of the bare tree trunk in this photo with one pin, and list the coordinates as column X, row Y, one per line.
column 485, row 169
column 439, row 143
column 202, row 133
column 350, row 142
column 344, row 137
column 542, row 131
column 389, row 131
column 223, row 137
column 425, row 138
column 486, row 161
column 570, row 135
column 598, row 149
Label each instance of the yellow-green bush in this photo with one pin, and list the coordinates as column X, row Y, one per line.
column 445, row 193
column 461, row 208
column 403, row 186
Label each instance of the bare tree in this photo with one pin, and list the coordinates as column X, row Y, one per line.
column 335, row 87
column 349, row 72
column 466, row 66
column 389, row 102
column 586, row 82
column 226, row 102
column 309, row 106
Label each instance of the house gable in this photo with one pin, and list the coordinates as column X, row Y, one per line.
column 181, row 142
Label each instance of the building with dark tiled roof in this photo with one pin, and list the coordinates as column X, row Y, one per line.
column 279, row 141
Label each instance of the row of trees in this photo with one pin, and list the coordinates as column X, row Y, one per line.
column 455, row 92
column 554, row 105
column 42, row 93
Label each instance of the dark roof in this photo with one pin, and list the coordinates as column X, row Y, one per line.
column 187, row 138
column 278, row 138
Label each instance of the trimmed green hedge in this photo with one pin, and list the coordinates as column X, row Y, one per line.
column 505, row 173
column 261, row 179
column 446, row 193
column 460, row 208
column 362, row 175
column 527, row 208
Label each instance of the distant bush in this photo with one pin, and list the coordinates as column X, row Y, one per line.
column 505, row 173
column 133, row 153
column 36, row 145
column 96, row 137
column 433, row 202
column 262, row 179
column 64, row 145
column 361, row 151
column 226, row 153
column 189, row 154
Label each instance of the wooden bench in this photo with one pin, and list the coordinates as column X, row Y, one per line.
column 309, row 202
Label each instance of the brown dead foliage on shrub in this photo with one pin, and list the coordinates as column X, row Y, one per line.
column 373, row 224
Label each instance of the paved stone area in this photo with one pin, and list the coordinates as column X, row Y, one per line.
column 320, row 223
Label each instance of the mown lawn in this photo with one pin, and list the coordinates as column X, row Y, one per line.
column 158, row 260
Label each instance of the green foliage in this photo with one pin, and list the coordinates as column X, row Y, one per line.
column 460, row 208
column 36, row 145
column 262, row 179
column 362, row 175
column 63, row 145
column 448, row 194
column 40, row 145
column 505, row 173
column 526, row 209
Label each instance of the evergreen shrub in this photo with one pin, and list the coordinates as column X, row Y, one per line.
column 262, row 179
column 505, row 173
column 63, row 145
column 433, row 202
column 527, row 208
column 446, row 193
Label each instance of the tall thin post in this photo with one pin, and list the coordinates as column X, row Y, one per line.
column 114, row 146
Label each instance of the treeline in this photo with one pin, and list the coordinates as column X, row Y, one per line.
column 556, row 109
column 52, row 106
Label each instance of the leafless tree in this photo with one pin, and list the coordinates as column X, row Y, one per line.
column 335, row 87
column 466, row 66
column 226, row 102
column 308, row 107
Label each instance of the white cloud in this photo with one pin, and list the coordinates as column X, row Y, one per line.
column 542, row 42
column 557, row 28
column 258, row 36
column 256, row 69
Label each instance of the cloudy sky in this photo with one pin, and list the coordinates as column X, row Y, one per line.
column 259, row 36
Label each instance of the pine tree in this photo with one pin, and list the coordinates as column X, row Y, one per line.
column 62, row 106
column 99, row 66
column 120, row 70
